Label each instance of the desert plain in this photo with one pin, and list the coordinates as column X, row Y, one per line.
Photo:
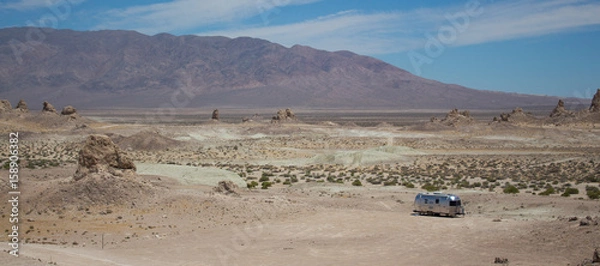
column 319, row 187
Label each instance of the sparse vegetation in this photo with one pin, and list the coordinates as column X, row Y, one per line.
column 592, row 192
column 266, row 185
column 510, row 189
column 252, row 184
column 549, row 190
column 570, row 191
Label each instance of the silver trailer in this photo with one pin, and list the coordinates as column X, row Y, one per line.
column 438, row 204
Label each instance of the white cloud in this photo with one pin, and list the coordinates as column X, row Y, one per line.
column 348, row 30
column 507, row 21
column 180, row 15
column 365, row 33
column 24, row 5
column 399, row 31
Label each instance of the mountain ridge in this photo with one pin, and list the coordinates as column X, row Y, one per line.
column 116, row 68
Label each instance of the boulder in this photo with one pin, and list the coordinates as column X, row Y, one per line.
column 101, row 155
column 595, row 106
column 49, row 108
column 226, row 187
column 68, row 110
column 22, row 106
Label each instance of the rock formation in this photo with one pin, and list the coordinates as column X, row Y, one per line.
column 226, row 187
column 48, row 108
column 22, row 106
column 284, row 115
column 454, row 118
column 517, row 115
column 215, row 114
column 595, row 106
column 5, row 106
column 101, row 155
column 596, row 257
column 560, row 110
column 68, row 110
column 290, row 114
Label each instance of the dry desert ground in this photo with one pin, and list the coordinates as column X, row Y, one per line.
column 331, row 188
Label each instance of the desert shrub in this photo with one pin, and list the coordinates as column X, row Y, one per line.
column 287, row 182
column 252, row 184
column 264, row 179
column 408, row 184
column 463, row 183
column 266, row 185
column 593, row 192
column 357, row 183
column 592, row 178
column 390, row 183
column 267, row 174
column 510, row 189
column 374, row 181
column 549, row 190
column 570, row 191
column 430, row 187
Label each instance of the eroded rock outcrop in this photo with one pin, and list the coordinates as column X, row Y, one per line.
column 49, row 108
column 454, row 118
column 215, row 114
column 5, row 106
column 68, row 110
column 516, row 116
column 560, row 110
column 284, row 115
column 595, row 106
column 101, row 155
column 22, row 106
column 226, row 187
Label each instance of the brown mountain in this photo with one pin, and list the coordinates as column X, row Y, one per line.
column 95, row 69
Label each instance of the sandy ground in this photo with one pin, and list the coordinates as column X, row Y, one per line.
column 312, row 214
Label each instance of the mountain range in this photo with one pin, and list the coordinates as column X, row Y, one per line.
column 127, row 69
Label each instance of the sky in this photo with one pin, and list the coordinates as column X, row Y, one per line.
column 549, row 47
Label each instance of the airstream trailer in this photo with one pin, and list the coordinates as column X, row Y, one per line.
column 438, row 203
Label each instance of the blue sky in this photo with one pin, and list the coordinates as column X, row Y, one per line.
column 529, row 46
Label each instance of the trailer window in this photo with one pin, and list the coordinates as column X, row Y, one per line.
column 455, row 203
column 437, row 201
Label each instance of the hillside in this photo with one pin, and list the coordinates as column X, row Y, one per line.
column 100, row 69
